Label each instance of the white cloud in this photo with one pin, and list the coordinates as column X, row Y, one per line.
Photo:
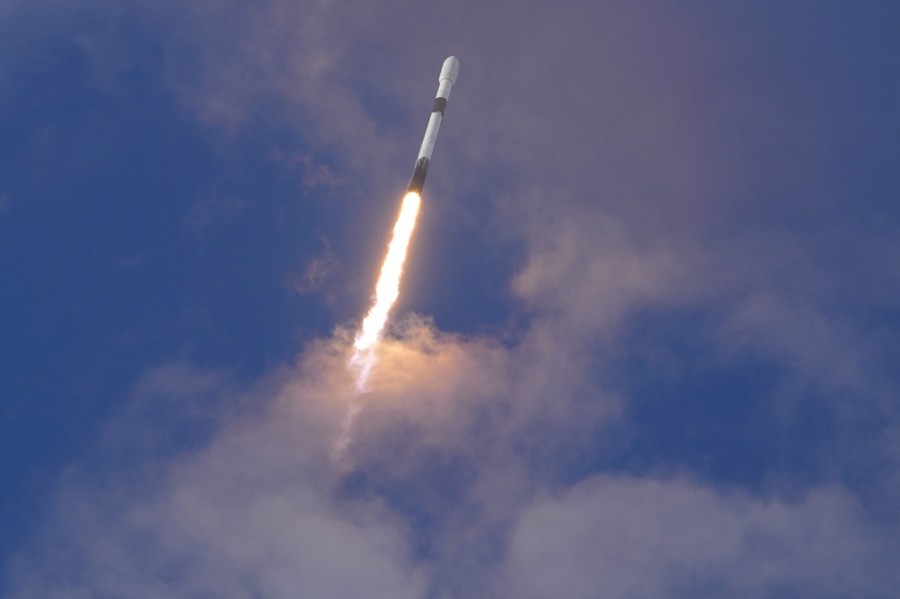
column 639, row 537
column 250, row 513
column 449, row 490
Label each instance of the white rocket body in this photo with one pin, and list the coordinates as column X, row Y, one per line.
column 449, row 73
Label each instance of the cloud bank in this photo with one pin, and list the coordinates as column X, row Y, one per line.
column 447, row 490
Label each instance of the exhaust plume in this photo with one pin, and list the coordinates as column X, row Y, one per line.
column 386, row 292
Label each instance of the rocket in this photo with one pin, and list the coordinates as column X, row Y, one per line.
column 449, row 73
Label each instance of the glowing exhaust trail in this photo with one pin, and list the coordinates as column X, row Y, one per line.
column 386, row 292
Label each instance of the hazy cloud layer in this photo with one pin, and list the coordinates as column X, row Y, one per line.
column 250, row 513
column 447, row 490
column 629, row 537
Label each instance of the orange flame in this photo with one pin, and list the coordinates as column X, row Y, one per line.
column 386, row 292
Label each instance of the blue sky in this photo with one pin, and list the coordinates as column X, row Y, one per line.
column 646, row 345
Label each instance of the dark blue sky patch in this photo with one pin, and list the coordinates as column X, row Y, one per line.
column 717, row 417
column 131, row 237
column 95, row 184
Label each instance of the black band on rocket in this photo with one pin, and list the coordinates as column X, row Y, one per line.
column 440, row 104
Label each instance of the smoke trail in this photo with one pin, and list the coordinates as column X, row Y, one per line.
column 387, row 290
column 345, row 436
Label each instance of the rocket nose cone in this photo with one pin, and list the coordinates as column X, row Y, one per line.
column 450, row 70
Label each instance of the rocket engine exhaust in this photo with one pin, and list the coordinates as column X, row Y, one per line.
column 386, row 292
